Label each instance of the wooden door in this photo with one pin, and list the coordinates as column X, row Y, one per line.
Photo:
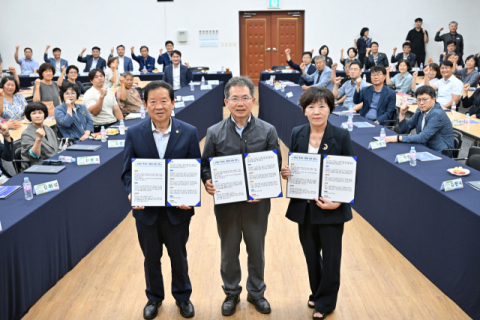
column 264, row 36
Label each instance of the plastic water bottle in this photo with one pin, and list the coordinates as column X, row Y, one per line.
column 203, row 80
column 364, row 77
column 413, row 157
column 27, row 187
column 192, row 86
column 382, row 134
column 421, row 66
column 467, row 120
column 350, row 123
column 454, row 108
column 142, row 112
column 103, row 133
column 282, row 88
column 404, row 100
column 67, row 159
column 223, row 69
column 122, row 127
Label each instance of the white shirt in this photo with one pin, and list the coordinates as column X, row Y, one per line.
column 448, row 88
column 424, row 116
column 176, row 77
column 312, row 149
column 58, row 68
column 121, row 65
column 161, row 140
column 106, row 115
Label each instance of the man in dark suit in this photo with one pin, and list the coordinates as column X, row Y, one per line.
column 309, row 66
column 375, row 58
column 378, row 100
column 162, row 137
column 146, row 62
column 124, row 63
column 177, row 74
column 93, row 61
column 406, row 55
column 6, row 151
column 165, row 59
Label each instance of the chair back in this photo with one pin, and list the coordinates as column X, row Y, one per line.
column 280, row 67
column 474, row 162
column 199, row 69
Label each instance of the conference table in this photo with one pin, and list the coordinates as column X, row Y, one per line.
column 43, row 239
column 437, row 231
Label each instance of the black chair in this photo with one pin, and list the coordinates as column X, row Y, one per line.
column 29, row 99
column 281, row 67
column 199, row 69
column 473, row 152
column 17, row 158
column 140, row 92
column 392, row 124
column 87, row 85
column 458, row 141
column 474, row 162
column 33, row 83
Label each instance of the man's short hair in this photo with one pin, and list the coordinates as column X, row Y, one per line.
column 374, row 42
column 158, row 85
column 425, row 90
column 10, row 78
column 127, row 73
column 239, row 82
column 355, row 62
column 320, row 57
column 96, row 48
column 446, row 63
column 27, row 48
column 56, row 49
column 70, row 67
column 406, row 44
column 449, row 42
column 34, row 106
column 176, row 52
column 354, row 50
column 44, row 67
column 67, row 85
column 93, row 73
column 378, row 68
column 407, row 63
column 110, row 60
column 121, row 46
column 307, row 52
column 317, row 94
column 169, row 42
column 456, row 23
column 143, row 47
column 419, row 19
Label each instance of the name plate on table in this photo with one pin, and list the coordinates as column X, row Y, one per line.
column 377, row 144
column 289, row 95
column 179, row 104
column 85, row 161
column 458, row 122
column 136, row 73
column 116, row 143
column 363, row 125
column 84, row 74
column 401, row 158
column 287, row 71
column 213, row 82
column 189, row 98
column 33, row 75
column 212, row 72
column 452, row 185
column 277, row 87
column 46, row 187
column 206, row 87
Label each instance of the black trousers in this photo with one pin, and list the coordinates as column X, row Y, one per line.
column 361, row 57
column 322, row 246
column 152, row 239
column 420, row 59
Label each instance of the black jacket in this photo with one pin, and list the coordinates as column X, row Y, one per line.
column 337, row 141
column 473, row 103
column 6, row 153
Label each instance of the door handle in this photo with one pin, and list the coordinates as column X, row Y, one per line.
column 275, row 49
column 268, row 49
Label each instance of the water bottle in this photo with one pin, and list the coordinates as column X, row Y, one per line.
column 454, row 109
column 413, row 157
column 142, row 112
column 404, row 100
column 467, row 120
column 350, row 123
column 382, row 134
column 421, row 66
column 223, row 69
column 192, row 86
column 27, row 187
column 203, row 80
column 282, row 87
column 103, row 133
column 122, row 127
column 364, row 77
column 67, row 159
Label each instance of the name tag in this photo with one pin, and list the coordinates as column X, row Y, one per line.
column 458, row 122
column 34, row 75
column 401, row 158
column 287, row 71
column 85, row 161
column 452, row 185
column 345, row 125
column 213, row 82
column 179, row 104
column 206, row 87
column 189, row 98
column 277, row 87
column 377, row 144
column 289, row 95
column 46, row 187
column 84, row 74
column 116, row 143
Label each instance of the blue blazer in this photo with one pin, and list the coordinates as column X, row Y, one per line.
column 311, row 70
column 101, row 63
column 165, row 60
column 150, row 66
column 386, row 104
column 437, row 134
column 127, row 63
column 381, row 61
column 63, row 62
column 412, row 58
column 139, row 143
column 186, row 75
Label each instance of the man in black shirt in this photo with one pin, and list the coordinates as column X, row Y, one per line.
column 452, row 35
column 417, row 38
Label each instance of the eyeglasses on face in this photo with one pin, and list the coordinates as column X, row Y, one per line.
column 244, row 99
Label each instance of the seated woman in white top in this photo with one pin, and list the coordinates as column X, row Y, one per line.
column 432, row 71
column 112, row 76
column 403, row 80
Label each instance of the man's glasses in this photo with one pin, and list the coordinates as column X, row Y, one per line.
column 237, row 100
column 422, row 101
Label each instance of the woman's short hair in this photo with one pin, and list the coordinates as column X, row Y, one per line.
column 362, row 32
column 317, row 94
column 10, row 78
column 323, row 47
column 436, row 67
column 474, row 59
column 354, row 51
column 70, row 67
column 34, row 106
column 407, row 63
column 44, row 67
column 67, row 85
column 110, row 61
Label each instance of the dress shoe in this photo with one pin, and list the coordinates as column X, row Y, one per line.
column 186, row 309
column 151, row 309
column 229, row 305
column 261, row 305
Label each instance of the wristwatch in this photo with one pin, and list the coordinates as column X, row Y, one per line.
column 398, row 138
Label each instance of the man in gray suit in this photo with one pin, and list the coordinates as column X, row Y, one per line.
column 375, row 58
column 240, row 133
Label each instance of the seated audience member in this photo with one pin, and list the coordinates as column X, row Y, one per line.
column 27, row 64
column 401, row 81
column 101, row 102
column 324, row 51
column 128, row 98
column 12, row 103
column 362, row 44
column 146, row 62
column 39, row 141
column 406, row 55
column 449, row 88
column 347, row 90
column 125, row 64
column 48, row 92
column 472, row 102
column 344, row 79
column 453, row 58
column 72, row 75
column 375, row 58
column 378, row 100
column 433, row 127
column 6, row 152
column 177, row 74
column 432, row 71
column 306, row 60
column 73, row 120
column 469, row 74
column 165, row 59
column 112, row 76
column 352, row 54
column 321, row 77
column 56, row 61
column 451, row 49
column 93, row 61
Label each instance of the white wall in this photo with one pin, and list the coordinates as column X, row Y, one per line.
column 72, row 25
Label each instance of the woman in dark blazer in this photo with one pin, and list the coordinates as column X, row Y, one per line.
column 472, row 102
column 320, row 221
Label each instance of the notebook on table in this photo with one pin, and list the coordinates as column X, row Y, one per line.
column 7, row 191
column 45, row 169
column 84, row 147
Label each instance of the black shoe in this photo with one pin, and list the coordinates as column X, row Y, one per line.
column 229, row 305
column 261, row 305
column 318, row 318
column 186, row 309
column 151, row 309
column 309, row 305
